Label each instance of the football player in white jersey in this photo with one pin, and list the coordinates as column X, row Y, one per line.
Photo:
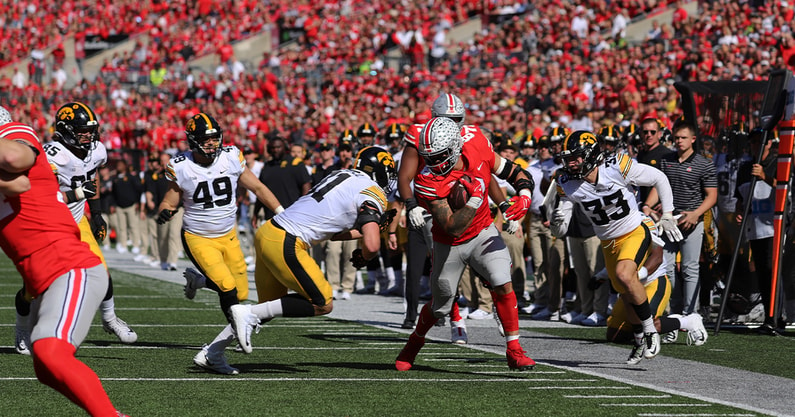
column 603, row 188
column 346, row 204
column 75, row 157
column 205, row 180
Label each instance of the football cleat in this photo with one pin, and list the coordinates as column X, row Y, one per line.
column 120, row 328
column 218, row 365
column 405, row 359
column 651, row 345
column 22, row 341
column 670, row 337
column 517, row 360
column 698, row 335
column 244, row 322
column 636, row 355
column 458, row 330
column 194, row 280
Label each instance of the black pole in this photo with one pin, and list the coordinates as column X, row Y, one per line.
column 746, row 209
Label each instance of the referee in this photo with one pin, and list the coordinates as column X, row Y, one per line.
column 694, row 184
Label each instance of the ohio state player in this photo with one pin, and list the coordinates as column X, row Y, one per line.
column 467, row 236
column 65, row 278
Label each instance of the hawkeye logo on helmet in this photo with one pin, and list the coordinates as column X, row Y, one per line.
column 588, row 138
column 66, row 113
column 386, row 159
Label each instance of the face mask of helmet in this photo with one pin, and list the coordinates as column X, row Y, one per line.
column 204, row 136
column 581, row 155
column 379, row 165
column 441, row 146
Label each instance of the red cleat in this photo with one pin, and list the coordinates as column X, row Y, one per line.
column 406, row 357
column 518, row 361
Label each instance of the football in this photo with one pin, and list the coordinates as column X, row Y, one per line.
column 458, row 195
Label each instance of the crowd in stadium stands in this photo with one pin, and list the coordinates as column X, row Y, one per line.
column 534, row 66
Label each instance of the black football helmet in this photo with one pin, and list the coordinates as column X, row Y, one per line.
column 631, row 135
column 609, row 135
column 581, row 143
column 77, row 127
column 366, row 134
column 394, row 132
column 558, row 134
column 379, row 165
column 202, row 128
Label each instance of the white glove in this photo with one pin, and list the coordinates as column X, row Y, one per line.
column 417, row 218
column 668, row 226
column 511, row 226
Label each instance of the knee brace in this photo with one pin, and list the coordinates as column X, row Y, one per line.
column 293, row 305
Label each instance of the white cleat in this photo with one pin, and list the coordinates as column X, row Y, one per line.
column 697, row 335
column 218, row 365
column 120, row 328
column 651, row 345
column 458, row 330
column 194, row 280
column 22, row 341
column 244, row 322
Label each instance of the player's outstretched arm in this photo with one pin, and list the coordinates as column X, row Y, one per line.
column 250, row 182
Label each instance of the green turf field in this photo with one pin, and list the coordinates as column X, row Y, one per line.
column 320, row 366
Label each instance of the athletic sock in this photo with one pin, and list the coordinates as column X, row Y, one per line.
column 507, row 311
column 108, row 308
column 455, row 312
column 57, row 367
column 216, row 348
column 426, row 321
column 268, row 309
column 669, row 324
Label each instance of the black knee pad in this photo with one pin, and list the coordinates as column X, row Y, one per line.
column 22, row 305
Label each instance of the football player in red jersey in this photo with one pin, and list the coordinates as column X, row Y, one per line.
column 65, row 278
column 466, row 236
column 411, row 164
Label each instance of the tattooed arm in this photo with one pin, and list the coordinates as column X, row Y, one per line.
column 454, row 223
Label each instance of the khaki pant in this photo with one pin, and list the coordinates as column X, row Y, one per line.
column 548, row 253
column 169, row 238
column 149, row 243
column 471, row 287
column 340, row 272
column 515, row 246
column 586, row 254
column 127, row 226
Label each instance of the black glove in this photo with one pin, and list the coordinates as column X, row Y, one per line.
column 89, row 189
column 165, row 215
column 386, row 219
column 358, row 260
column 98, row 226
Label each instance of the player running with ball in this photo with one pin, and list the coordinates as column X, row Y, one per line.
column 467, row 235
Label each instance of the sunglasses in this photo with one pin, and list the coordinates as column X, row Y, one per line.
column 649, row 132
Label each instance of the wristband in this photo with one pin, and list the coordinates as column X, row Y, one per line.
column 279, row 209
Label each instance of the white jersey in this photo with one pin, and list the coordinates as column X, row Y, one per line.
column 331, row 206
column 208, row 192
column 72, row 171
column 610, row 203
column 726, row 172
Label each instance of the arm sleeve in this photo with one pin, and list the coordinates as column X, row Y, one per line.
column 649, row 176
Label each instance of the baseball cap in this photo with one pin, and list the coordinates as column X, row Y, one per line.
column 248, row 150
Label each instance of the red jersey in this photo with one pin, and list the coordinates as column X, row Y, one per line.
column 478, row 157
column 37, row 230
